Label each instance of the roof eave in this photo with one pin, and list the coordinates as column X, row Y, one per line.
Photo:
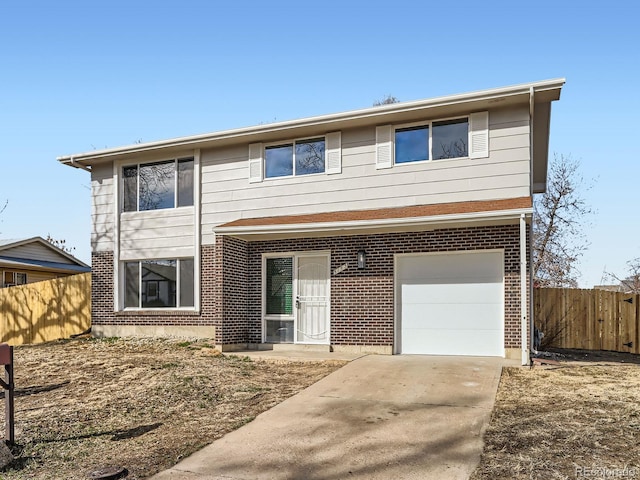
column 549, row 90
column 361, row 225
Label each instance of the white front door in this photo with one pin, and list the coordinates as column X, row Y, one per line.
column 312, row 299
column 296, row 296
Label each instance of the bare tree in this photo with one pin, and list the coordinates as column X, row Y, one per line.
column 631, row 282
column 60, row 243
column 558, row 221
column 386, row 100
column 310, row 156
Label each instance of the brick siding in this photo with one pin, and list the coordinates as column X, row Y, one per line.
column 362, row 309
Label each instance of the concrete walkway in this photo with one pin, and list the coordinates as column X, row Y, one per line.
column 378, row 417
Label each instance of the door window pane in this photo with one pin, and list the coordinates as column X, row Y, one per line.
column 186, row 283
column 157, row 185
column 162, row 272
column 310, row 157
column 279, row 294
column 279, row 331
column 450, row 139
column 131, row 282
column 130, row 189
column 185, row 182
column 278, row 161
column 412, row 144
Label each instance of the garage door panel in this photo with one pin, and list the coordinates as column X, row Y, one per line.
column 451, row 266
column 453, row 316
column 451, row 304
column 451, row 342
column 451, row 293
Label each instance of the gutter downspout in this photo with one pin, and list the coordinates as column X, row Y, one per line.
column 523, row 288
column 525, row 307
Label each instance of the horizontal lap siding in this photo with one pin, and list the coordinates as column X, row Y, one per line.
column 102, row 231
column 164, row 233
column 36, row 251
column 227, row 194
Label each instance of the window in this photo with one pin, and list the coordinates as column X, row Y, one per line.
column 435, row 140
column 279, row 295
column 159, row 283
column 158, row 185
column 301, row 157
column 14, row 278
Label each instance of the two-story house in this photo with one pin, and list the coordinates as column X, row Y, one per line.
column 402, row 228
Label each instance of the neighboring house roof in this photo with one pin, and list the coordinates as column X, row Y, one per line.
column 35, row 253
column 362, row 219
column 536, row 95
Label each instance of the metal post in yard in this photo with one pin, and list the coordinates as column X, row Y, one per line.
column 6, row 359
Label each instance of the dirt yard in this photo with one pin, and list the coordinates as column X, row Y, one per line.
column 141, row 404
column 577, row 420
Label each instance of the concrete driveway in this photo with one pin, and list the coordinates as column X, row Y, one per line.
column 378, row 417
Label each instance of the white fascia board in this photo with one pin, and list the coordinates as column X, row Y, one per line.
column 376, row 114
column 356, row 225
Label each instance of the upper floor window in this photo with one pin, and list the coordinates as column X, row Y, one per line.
column 158, row 185
column 434, row 140
column 301, row 157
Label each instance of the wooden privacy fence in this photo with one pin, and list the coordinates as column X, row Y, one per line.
column 44, row 311
column 588, row 319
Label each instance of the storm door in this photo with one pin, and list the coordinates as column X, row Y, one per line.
column 296, row 298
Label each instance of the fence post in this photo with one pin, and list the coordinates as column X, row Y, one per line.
column 6, row 359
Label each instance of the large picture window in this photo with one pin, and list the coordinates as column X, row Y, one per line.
column 435, row 140
column 166, row 283
column 301, row 157
column 158, row 185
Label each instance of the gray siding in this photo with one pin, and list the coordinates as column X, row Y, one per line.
column 36, row 251
column 167, row 233
column 227, row 194
column 102, row 205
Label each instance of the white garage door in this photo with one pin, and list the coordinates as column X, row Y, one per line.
column 451, row 304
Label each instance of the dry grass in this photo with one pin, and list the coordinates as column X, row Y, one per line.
column 141, row 404
column 550, row 422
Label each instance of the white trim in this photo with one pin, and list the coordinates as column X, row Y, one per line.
column 429, row 125
column 197, row 230
column 479, row 135
column 294, row 279
column 397, row 321
column 365, row 224
column 523, row 290
column 384, row 146
column 293, row 142
column 118, row 276
column 333, row 153
column 118, row 273
column 374, row 115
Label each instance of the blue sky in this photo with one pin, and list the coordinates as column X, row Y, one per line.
column 77, row 76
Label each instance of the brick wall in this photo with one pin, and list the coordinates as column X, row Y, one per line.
column 231, row 290
column 362, row 310
column 102, row 307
